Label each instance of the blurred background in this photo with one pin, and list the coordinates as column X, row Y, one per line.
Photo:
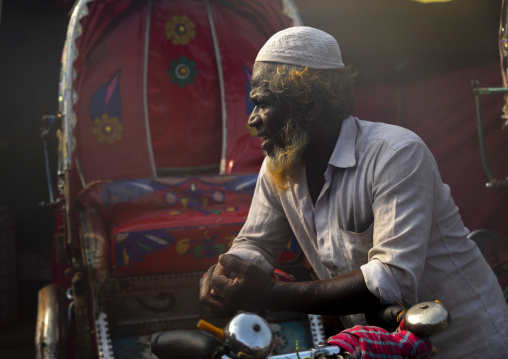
column 392, row 43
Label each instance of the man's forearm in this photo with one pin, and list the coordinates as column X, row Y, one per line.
column 243, row 286
column 341, row 295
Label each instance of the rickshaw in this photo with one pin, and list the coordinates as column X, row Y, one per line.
column 156, row 170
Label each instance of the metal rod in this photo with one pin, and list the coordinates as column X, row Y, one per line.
column 145, row 96
column 481, row 138
column 493, row 183
column 48, row 174
column 490, row 90
column 220, row 72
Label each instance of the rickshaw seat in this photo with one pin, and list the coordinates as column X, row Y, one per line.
column 175, row 240
column 172, row 224
column 110, row 197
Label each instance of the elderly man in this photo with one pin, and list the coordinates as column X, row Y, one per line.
column 365, row 201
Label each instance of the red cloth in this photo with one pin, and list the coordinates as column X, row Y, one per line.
column 183, row 109
column 369, row 342
column 109, row 85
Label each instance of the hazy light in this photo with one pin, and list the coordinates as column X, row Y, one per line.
column 430, row 1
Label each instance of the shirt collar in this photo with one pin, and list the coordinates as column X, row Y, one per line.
column 343, row 155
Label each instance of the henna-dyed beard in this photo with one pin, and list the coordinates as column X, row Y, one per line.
column 285, row 164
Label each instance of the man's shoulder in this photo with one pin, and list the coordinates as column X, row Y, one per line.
column 390, row 135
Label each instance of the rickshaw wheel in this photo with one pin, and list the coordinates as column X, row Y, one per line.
column 51, row 325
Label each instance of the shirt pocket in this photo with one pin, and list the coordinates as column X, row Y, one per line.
column 357, row 245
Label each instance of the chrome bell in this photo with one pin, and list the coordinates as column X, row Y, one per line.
column 249, row 335
column 427, row 318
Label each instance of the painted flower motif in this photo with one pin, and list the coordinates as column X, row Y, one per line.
column 230, row 240
column 182, row 71
column 208, row 249
column 183, row 246
column 180, row 30
column 107, row 129
column 504, row 45
column 135, row 246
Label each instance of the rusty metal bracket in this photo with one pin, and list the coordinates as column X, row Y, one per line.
column 494, row 184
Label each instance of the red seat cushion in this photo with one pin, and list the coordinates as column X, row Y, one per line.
column 173, row 224
column 112, row 197
column 180, row 240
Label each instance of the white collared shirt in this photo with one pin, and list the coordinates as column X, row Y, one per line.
column 385, row 210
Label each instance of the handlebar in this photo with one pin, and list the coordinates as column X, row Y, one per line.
column 386, row 317
column 249, row 335
column 186, row 344
column 321, row 352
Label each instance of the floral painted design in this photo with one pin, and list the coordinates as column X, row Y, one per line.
column 504, row 45
column 183, row 246
column 194, row 196
column 183, row 71
column 123, row 192
column 180, row 30
column 106, row 111
column 107, row 129
column 134, row 246
column 208, row 249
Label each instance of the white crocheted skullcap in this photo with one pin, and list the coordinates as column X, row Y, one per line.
column 302, row 46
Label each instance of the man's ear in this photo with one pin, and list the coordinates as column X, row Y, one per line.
column 316, row 108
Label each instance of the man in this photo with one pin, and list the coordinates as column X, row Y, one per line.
column 365, row 201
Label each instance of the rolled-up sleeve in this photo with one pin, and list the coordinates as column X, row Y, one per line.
column 266, row 230
column 403, row 208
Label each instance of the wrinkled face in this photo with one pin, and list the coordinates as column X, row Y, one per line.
column 269, row 115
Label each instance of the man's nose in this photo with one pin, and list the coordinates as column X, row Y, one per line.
column 254, row 119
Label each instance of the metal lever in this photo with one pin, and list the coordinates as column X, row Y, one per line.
column 50, row 122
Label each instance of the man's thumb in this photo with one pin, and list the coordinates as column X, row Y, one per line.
column 231, row 262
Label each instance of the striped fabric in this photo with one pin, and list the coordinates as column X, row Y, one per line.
column 369, row 342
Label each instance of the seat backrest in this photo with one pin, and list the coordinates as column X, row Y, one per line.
column 179, row 192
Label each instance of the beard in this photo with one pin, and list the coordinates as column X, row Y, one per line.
column 285, row 164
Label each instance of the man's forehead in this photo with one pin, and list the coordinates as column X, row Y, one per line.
column 260, row 89
column 261, row 72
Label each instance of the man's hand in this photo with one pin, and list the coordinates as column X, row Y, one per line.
column 240, row 284
column 234, row 284
column 207, row 295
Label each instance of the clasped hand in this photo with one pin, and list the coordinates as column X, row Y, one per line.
column 234, row 284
